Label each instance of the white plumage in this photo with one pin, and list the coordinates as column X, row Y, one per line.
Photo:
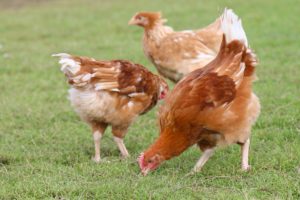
column 69, row 66
column 232, row 27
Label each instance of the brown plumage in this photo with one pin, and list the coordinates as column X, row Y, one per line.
column 176, row 54
column 211, row 106
column 112, row 93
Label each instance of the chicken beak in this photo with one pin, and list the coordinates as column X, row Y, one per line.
column 132, row 21
column 145, row 171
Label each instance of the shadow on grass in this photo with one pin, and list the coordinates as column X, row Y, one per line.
column 4, row 161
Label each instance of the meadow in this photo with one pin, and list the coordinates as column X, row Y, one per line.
column 45, row 150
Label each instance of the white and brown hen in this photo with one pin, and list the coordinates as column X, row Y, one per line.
column 111, row 93
column 177, row 53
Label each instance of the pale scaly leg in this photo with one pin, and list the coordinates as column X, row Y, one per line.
column 119, row 133
column 98, row 131
column 203, row 159
column 121, row 146
column 245, row 155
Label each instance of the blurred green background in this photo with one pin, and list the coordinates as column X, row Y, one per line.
column 45, row 149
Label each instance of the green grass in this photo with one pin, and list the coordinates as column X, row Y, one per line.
column 45, row 149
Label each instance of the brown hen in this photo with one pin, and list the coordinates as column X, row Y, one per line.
column 177, row 53
column 112, row 93
column 212, row 106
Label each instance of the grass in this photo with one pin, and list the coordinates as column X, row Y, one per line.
column 45, row 149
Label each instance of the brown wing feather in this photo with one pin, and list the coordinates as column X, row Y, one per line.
column 120, row 76
column 230, row 61
column 190, row 99
column 234, row 60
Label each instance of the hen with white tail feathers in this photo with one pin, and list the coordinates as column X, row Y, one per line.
column 110, row 93
column 177, row 53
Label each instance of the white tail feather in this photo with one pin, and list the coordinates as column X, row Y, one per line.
column 232, row 27
column 61, row 55
column 68, row 65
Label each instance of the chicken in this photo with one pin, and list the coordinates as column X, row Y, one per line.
column 176, row 54
column 112, row 93
column 212, row 106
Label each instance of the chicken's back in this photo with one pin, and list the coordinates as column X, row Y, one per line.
column 113, row 92
column 178, row 53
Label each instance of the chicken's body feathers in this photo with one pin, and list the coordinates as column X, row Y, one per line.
column 177, row 53
column 110, row 93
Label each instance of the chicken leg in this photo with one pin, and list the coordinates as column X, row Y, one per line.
column 203, row 159
column 119, row 134
column 98, row 131
column 245, row 154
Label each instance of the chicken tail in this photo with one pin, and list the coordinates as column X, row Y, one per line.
column 232, row 27
column 71, row 68
column 234, row 60
column 68, row 65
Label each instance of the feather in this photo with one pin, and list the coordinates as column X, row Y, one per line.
column 232, row 27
